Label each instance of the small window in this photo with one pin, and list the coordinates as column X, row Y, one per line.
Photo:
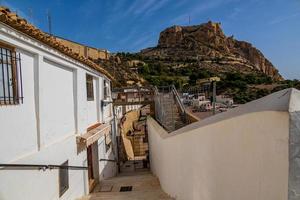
column 89, row 88
column 63, row 178
column 107, row 142
column 106, row 89
column 108, row 137
column 11, row 91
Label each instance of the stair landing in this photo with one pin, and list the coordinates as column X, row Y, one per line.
column 144, row 186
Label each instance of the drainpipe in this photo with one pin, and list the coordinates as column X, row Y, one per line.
column 116, row 150
column 214, row 96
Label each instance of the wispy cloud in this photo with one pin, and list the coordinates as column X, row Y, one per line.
column 139, row 6
column 284, row 18
column 142, row 42
column 145, row 8
column 235, row 13
column 129, row 36
column 197, row 10
column 156, row 7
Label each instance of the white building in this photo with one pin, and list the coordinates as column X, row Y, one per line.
column 55, row 111
column 225, row 100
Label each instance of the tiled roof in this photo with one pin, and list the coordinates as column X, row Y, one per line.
column 13, row 20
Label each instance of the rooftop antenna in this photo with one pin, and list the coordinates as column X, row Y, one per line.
column 49, row 22
column 189, row 19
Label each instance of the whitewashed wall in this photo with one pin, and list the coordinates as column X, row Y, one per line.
column 43, row 129
column 92, row 106
column 18, row 123
column 107, row 168
column 107, row 112
column 245, row 157
column 57, row 104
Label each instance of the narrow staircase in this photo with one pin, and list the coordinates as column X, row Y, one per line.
column 168, row 110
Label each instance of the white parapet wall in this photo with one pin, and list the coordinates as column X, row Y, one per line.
column 242, row 157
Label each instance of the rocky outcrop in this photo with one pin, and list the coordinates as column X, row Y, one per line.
column 206, row 43
column 121, row 71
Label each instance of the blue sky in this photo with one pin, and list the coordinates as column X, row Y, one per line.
column 273, row 26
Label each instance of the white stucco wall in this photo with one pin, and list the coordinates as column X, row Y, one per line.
column 107, row 109
column 107, row 168
column 92, row 106
column 18, row 123
column 245, row 157
column 35, row 184
column 44, row 128
column 57, row 106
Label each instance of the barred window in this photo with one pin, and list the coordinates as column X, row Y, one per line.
column 89, row 88
column 11, row 91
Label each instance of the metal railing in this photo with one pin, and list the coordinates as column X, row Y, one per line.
column 160, row 113
column 180, row 105
column 107, row 160
column 39, row 167
column 169, row 110
column 11, row 91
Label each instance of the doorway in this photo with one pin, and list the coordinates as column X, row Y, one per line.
column 91, row 173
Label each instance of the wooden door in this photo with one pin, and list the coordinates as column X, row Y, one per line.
column 90, row 168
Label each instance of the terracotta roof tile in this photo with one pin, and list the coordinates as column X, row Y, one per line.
column 20, row 24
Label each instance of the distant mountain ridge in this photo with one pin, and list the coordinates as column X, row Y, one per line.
column 207, row 45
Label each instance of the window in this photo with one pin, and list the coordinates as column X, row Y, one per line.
column 106, row 89
column 63, row 178
column 11, row 91
column 89, row 88
column 108, row 142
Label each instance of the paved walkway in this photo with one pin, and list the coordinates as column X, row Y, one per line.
column 144, row 187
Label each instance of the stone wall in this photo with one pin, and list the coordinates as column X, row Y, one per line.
column 126, row 127
column 86, row 51
column 294, row 157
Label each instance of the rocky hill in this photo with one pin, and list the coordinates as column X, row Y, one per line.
column 121, row 70
column 208, row 47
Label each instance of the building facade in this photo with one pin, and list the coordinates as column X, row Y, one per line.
column 54, row 110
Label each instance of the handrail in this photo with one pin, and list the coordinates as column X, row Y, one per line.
column 39, row 167
column 165, row 113
column 177, row 97
column 181, row 106
column 108, row 160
